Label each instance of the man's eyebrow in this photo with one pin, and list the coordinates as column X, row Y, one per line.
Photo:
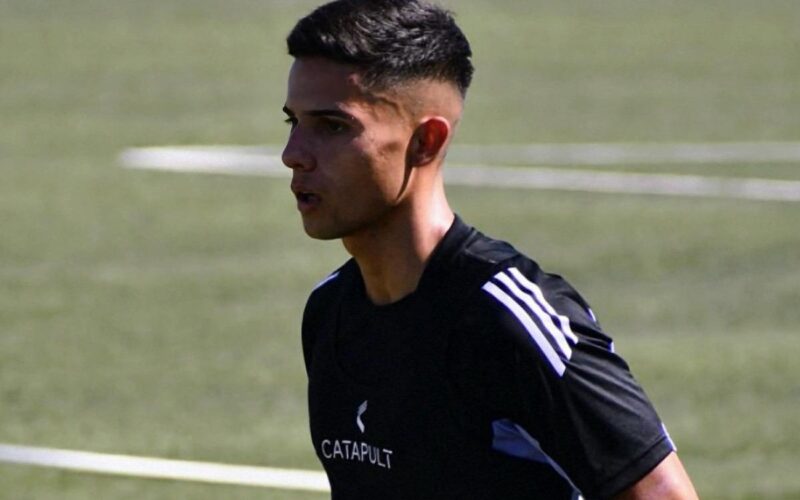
column 336, row 113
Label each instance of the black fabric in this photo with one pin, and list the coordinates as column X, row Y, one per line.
column 402, row 398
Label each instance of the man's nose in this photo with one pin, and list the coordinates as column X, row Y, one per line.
column 296, row 154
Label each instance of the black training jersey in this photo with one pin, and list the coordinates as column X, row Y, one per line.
column 492, row 380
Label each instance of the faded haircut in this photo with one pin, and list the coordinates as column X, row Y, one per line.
column 389, row 41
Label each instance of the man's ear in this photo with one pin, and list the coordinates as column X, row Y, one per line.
column 429, row 140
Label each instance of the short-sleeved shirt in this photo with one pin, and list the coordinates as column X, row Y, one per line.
column 493, row 379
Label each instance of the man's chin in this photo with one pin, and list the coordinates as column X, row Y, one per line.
column 320, row 233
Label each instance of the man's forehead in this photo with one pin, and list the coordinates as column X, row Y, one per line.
column 316, row 83
column 323, row 80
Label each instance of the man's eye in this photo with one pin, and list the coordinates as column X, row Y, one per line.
column 291, row 121
column 333, row 126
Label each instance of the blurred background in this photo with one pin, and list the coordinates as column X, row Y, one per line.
column 157, row 314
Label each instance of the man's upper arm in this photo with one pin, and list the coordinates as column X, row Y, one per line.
column 574, row 394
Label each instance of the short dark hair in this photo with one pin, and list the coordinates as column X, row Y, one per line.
column 389, row 41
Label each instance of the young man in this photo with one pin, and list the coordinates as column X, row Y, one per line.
column 442, row 364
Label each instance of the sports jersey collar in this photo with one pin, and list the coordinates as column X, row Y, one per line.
column 454, row 239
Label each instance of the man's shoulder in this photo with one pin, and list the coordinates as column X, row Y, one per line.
column 330, row 279
column 490, row 259
column 490, row 251
column 478, row 257
column 329, row 287
column 321, row 305
column 513, row 296
column 520, row 290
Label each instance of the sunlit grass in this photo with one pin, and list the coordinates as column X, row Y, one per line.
column 158, row 314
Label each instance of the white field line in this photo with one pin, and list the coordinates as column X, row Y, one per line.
column 630, row 183
column 580, row 154
column 628, row 153
column 207, row 159
column 266, row 161
column 145, row 467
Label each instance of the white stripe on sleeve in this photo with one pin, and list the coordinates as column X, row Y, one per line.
column 552, row 356
column 537, row 292
column 544, row 318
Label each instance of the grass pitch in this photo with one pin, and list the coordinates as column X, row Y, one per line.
column 158, row 314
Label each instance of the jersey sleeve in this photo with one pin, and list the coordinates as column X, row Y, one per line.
column 534, row 354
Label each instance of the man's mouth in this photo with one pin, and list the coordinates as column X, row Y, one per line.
column 307, row 200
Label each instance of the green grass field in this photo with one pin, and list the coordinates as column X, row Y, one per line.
column 158, row 314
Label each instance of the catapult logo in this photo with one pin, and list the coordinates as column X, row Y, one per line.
column 357, row 451
column 361, row 410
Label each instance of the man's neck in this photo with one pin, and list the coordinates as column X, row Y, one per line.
column 393, row 258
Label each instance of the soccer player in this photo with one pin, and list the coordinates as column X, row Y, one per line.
column 442, row 364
